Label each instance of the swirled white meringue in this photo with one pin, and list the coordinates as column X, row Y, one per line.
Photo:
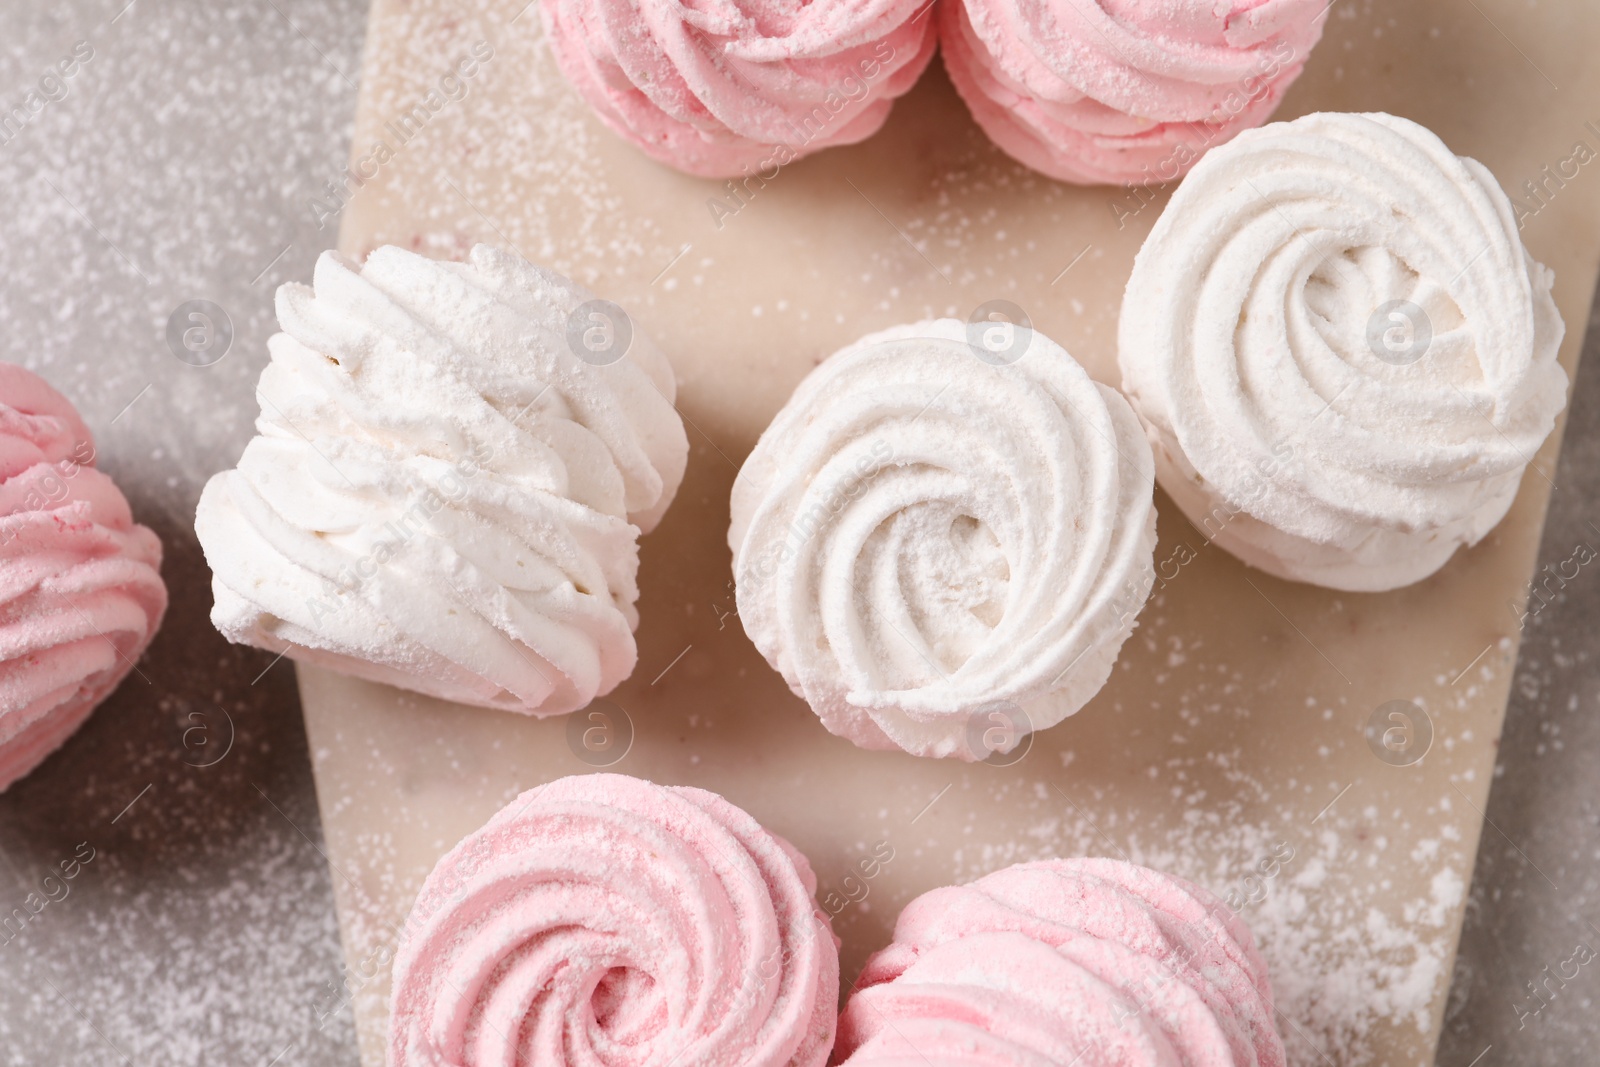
column 931, row 547
column 442, row 495
column 1341, row 350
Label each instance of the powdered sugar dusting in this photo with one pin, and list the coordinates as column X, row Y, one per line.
column 1230, row 741
column 173, row 163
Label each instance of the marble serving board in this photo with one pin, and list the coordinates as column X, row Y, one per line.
column 1231, row 745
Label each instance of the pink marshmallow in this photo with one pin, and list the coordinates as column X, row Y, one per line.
column 602, row 919
column 1084, row 961
column 1123, row 91
column 80, row 585
column 731, row 87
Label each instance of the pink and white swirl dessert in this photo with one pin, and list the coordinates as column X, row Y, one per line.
column 606, row 920
column 1127, row 92
column 455, row 462
column 80, row 581
column 1083, row 961
column 941, row 541
column 1343, row 354
column 740, row 86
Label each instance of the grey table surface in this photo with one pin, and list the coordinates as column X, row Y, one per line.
column 179, row 163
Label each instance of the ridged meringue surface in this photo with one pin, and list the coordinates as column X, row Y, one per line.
column 930, row 545
column 602, row 919
column 80, row 581
column 443, row 496
column 1342, row 353
column 740, row 86
column 1123, row 91
column 1083, row 961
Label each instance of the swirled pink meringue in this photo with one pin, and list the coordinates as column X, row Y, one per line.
column 1083, row 961
column 80, row 581
column 604, row 920
column 1123, row 91
column 732, row 87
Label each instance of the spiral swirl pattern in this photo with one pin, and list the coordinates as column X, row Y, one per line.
column 1341, row 350
column 604, row 921
column 443, row 496
column 1083, row 961
column 1123, row 91
column 922, row 536
column 80, row 582
column 732, row 87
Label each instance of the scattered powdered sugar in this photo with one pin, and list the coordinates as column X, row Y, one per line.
column 221, row 948
column 1355, row 905
column 1357, row 918
column 1345, row 955
column 174, row 163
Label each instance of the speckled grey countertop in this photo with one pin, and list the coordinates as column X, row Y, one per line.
column 178, row 163
column 175, row 164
